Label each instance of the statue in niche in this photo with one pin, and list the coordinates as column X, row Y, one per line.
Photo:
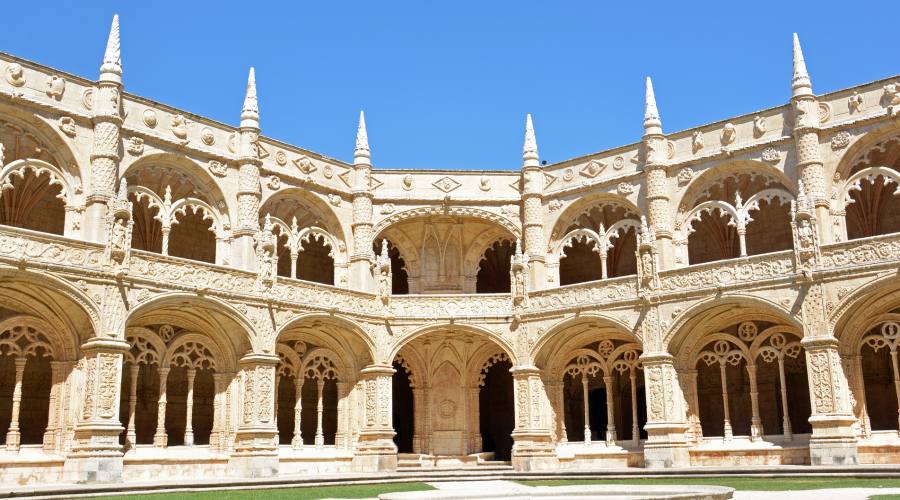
column 805, row 230
column 646, row 257
column 383, row 273
column 119, row 225
column 265, row 256
column 518, row 276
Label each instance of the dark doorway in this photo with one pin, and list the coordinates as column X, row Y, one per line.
column 497, row 412
column 403, row 411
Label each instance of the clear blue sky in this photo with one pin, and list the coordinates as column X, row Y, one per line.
column 448, row 84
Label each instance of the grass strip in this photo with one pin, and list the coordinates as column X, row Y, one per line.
column 309, row 493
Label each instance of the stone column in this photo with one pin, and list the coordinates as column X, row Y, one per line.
column 220, row 385
column 666, row 445
column 533, row 209
column 833, row 440
column 161, row 439
column 608, row 382
column 533, row 447
column 376, row 450
column 249, row 189
column 297, row 441
column 96, row 455
column 107, row 120
column 52, row 435
column 189, row 408
column 130, row 433
column 362, row 256
column 659, row 214
column 586, row 408
column 342, row 435
column 418, row 420
column 255, row 453
column 13, row 436
column 320, row 408
column 806, row 144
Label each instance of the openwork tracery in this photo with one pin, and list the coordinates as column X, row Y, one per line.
column 22, row 339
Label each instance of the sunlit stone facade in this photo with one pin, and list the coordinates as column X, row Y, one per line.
column 181, row 298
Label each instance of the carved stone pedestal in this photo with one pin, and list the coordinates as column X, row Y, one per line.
column 96, row 455
column 533, row 447
column 833, row 440
column 376, row 450
column 666, row 444
column 255, row 451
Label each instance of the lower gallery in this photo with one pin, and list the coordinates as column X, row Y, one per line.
column 187, row 299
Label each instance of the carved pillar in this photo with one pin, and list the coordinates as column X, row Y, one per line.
column 473, row 443
column 858, row 383
column 13, row 436
column 341, row 437
column 52, row 435
column 585, row 405
column 320, row 407
column 161, row 439
column 249, row 190
column 376, row 450
column 130, row 434
column 786, row 418
column 107, row 120
column 533, row 447
column 189, row 408
column 96, row 455
column 297, row 441
column 533, row 209
column 756, row 429
column 833, row 440
column 666, row 444
column 806, row 144
column 655, row 147
column 362, row 255
column 693, row 410
column 418, row 420
column 255, row 453
column 217, row 438
column 726, row 412
column 608, row 381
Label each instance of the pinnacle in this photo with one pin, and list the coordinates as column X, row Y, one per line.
column 362, row 137
column 530, row 149
column 652, row 123
column 250, row 111
column 111, row 69
column 800, row 83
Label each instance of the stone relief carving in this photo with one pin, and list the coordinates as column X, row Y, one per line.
column 625, row 188
column 684, row 176
column 179, row 127
column 729, row 134
column 281, row 158
column 206, row 135
column 274, row 182
column 855, row 102
column 15, row 74
column 697, row 141
column 771, row 155
column 56, row 86
column 149, row 118
column 407, row 182
column 67, row 125
column 759, row 126
column 446, row 184
column 135, row 146
column 840, row 140
column 593, row 169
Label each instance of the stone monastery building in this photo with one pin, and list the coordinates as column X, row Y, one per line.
column 181, row 297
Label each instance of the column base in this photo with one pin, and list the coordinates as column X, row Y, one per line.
column 375, row 454
column 533, row 452
column 833, row 441
column 254, row 466
column 666, row 446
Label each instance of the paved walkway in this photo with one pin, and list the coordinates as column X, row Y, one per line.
column 832, row 494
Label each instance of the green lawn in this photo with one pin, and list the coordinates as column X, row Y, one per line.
column 351, row 491
column 742, row 483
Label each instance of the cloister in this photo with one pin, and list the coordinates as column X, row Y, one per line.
column 181, row 297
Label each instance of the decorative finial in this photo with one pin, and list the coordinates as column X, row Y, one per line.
column 800, row 83
column 111, row 69
column 518, row 246
column 123, row 189
column 530, row 149
column 384, row 248
column 362, row 137
column 250, row 111
column 652, row 123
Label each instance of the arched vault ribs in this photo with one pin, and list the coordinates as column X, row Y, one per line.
column 453, row 377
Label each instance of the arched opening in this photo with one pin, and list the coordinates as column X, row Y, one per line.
column 493, row 269
column 189, row 390
column 315, row 262
column 741, row 214
column 147, row 231
column 193, row 237
column 876, row 365
column 497, row 410
column 25, row 383
column 403, row 417
column 32, row 201
column 399, row 276
column 873, row 192
column 599, row 243
column 580, row 263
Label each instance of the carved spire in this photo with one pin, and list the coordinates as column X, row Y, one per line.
column 123, row 189
column 800, row 83
column 652, row 123
column 111, row 69
column 530, row 149
column 250, row 111
column 362, row 138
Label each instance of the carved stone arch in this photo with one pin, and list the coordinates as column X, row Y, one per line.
column 233, row 334
column 146, row 346
column 457, row 328
column 853, row 313
column 408, row 250
column 451, row 212
column 57, row 177
column 55, row 148
column 415, row 368
column 716, row 175
column 206, row 188
column 66, row 309
column 334, row 333
column 863, row 144
column 310, row 210
column 569, row 216
column 194, row 350
column 705, row 341
column 481, row 363
column 583, row 235
column 23, row 335
column 477, row 248
column 573, row 332
column 289, row 362
column 322, row 363
column 718, row 313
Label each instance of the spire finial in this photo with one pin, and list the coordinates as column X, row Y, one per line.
column 530, row 149
column 111, row 69
column 250, row 111
column 362, row 138
column 652, row 123
column 800, row 83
